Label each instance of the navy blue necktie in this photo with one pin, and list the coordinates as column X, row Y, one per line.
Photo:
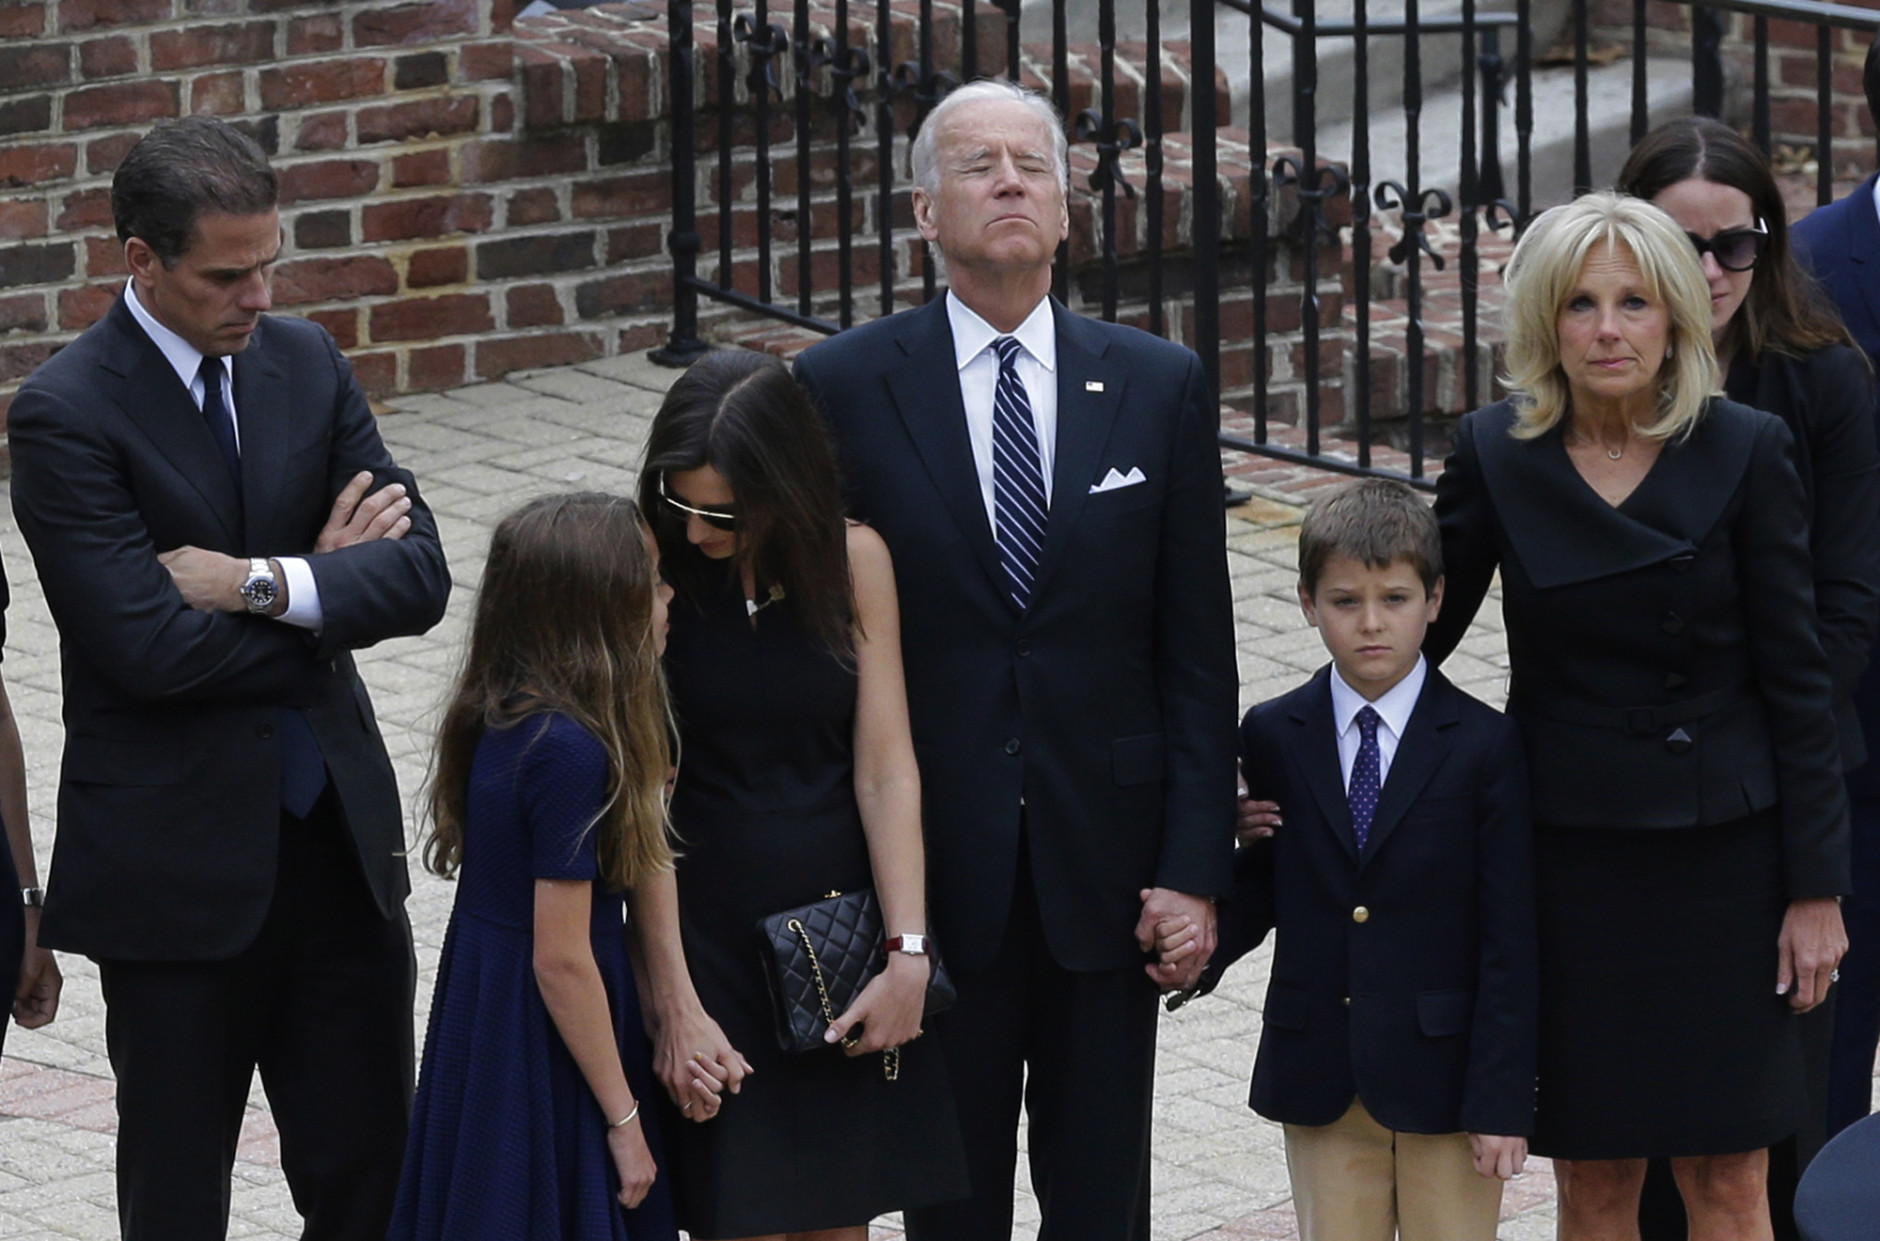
column 303, row 770
column 1366, row 771
column 215, row 413
column 1018, row 503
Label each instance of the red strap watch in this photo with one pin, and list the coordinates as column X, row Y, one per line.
column 912, row 945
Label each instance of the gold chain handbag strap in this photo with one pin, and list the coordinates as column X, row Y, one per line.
column 891, row 1057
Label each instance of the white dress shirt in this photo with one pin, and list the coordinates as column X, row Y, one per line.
column 979, row 380
column 1393, row 708
column 303, row 594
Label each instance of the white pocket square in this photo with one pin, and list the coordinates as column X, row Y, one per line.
column 1113, row 480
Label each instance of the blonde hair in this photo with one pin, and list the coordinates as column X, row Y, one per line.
column 1546, row 268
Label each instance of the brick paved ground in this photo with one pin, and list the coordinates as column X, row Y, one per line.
column 478, row 451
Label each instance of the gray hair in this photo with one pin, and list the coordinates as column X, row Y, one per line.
column 925, row 154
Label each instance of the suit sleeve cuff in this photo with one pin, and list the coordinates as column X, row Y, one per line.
column 303, row 595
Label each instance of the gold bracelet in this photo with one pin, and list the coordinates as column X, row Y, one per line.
column 625, row 1120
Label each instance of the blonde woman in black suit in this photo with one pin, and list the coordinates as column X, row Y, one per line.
column 1783, row 350
column 1675, row 703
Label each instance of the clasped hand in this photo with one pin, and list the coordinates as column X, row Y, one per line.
column 698, row 1065
column 1181, row 930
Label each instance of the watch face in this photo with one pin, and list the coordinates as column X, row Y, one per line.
column 259, row 592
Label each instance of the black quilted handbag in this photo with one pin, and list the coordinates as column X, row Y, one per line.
column 819, row 956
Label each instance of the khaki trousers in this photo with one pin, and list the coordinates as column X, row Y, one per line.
column 1354, row 1180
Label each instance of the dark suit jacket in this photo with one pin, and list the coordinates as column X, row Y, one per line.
column 1666, row 670
column 1840, row 243
column 169, row 803
column 1428, row 1008
column 1827, row 400
column 1106, row 709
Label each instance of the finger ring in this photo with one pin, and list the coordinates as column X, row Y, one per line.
column 1834, row 975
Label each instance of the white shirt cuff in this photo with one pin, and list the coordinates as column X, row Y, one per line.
column 303, row 595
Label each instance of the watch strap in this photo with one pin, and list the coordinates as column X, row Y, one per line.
column 912, row 945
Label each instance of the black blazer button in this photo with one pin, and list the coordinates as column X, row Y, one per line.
column 264, row 731
column 1676, row 680
column 1024, row 648
column 1672, row 623
column 1013, row 746
column 1679, row 742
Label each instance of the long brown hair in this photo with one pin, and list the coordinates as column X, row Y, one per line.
column 563, row 623
column 1784, row 310
column 741, row 413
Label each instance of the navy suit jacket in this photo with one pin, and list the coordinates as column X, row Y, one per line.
column 169, row 795
column 1098, row 724
column 1405, row 975
column 1840, row 244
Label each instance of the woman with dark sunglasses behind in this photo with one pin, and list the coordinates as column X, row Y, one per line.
column 796, row 780
column 1782, row 349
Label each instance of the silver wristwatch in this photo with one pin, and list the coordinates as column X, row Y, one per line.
column 262, row 589
column 912, row 945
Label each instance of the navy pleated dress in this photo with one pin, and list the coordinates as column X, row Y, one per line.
column 507, row 1142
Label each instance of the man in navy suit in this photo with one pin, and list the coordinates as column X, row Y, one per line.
column 1398, row 1042
column 192, row 477
column 1840, row 244
column 1049, row 487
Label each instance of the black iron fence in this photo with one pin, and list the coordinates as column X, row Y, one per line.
column 808, row 109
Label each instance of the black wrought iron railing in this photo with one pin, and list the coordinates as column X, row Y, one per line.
column 808, row 109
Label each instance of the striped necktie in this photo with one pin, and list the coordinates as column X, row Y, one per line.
column 1018, row 502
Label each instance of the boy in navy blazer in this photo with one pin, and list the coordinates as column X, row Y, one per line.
column 1399, row 1036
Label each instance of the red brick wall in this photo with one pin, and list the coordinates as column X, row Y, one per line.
column 1793, row 74
column 437, row 236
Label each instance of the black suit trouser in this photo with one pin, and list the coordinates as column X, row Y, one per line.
column 1078, row 1050
column 321, row 1004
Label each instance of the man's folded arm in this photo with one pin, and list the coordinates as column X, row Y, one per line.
column 108, row 593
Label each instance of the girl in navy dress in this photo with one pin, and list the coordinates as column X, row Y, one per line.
column 548, row 803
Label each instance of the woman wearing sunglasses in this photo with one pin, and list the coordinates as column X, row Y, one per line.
column 796, row 780
column 1782, row 349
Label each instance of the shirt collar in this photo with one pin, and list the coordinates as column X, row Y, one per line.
column 179, row 353
column 1394, row 705
column 972, row 335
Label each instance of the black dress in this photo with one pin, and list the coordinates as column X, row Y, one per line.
column 765, row 811
column 1674, row 701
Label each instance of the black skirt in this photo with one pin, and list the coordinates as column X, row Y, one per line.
column 1661, row 1030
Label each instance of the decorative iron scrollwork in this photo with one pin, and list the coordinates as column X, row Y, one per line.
column 1426, row 206
column 1123, row 134
column 766, row 44
column 925, row 91
column 1326, row 181
column 1500, row 214
column 844, row 67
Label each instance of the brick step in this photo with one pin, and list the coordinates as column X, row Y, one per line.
column 596, row 65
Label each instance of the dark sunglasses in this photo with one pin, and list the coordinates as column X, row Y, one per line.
column 716, row 519
column 1735, row 250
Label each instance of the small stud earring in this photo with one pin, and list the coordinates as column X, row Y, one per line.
column 1667, row 351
